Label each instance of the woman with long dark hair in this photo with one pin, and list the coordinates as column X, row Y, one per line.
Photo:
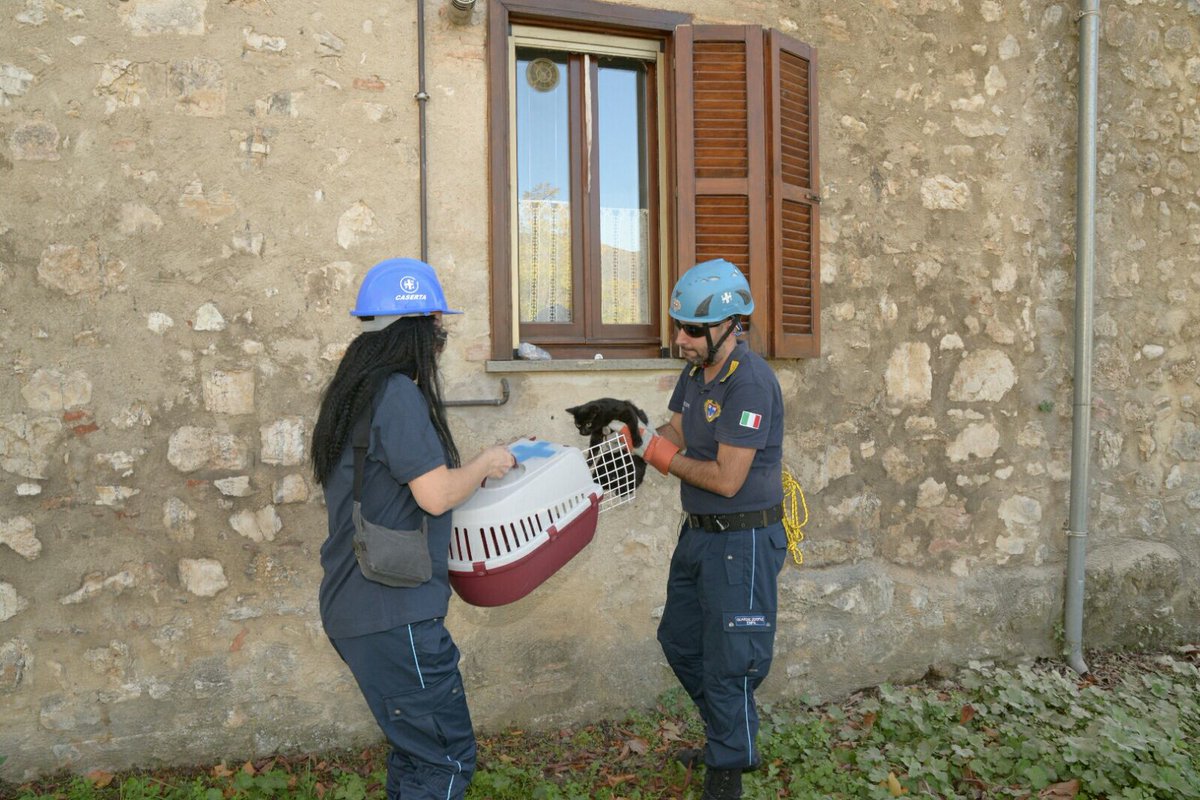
column 393, row 636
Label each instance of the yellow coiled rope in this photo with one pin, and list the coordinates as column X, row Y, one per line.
column 793, row 501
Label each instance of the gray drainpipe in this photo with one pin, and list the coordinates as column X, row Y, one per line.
column 1085, row 264
column 460, row 13
column 422, row 98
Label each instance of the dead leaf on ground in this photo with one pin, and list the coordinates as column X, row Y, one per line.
column 967, row 714
column 99, row 778
column 670, row 731
column 1067, row 790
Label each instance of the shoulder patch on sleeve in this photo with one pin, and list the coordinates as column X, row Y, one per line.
column 750, row 420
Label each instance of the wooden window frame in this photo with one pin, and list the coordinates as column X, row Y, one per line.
column 587, row 333
column 589, row 17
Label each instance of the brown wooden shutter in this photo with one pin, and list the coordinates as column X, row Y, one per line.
column 721, row 197
column 746, row 167
column 795, row 264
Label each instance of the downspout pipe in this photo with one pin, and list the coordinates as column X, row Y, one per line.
column 1085, row 267
column 422, row 97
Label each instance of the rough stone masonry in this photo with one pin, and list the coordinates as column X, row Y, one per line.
column 190, row 191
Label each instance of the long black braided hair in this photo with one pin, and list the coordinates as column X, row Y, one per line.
column 409, row 345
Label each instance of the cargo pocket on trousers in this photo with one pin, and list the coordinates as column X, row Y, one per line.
column 428, row 714
column 749, row 643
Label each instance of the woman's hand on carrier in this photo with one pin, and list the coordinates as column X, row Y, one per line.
column 497, row 461
column 441, row 489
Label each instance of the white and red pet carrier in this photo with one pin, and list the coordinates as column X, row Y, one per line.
column 517, row 531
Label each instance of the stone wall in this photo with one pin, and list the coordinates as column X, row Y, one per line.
column 190, row 191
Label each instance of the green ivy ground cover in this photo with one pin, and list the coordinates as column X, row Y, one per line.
column 1029, row 732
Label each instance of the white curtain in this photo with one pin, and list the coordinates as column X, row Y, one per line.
column 545, row 269
column 625, row 241
column 544, row 250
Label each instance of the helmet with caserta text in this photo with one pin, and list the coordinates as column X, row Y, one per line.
column 399, row 287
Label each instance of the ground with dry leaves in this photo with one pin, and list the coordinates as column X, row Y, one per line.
column 812, row 751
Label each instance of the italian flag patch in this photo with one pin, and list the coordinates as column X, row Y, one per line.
column 750, row 420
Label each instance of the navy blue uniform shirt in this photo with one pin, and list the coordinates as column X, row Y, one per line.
column 742, row 406
column 403, row 446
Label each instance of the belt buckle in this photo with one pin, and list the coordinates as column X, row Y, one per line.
column 719, row 523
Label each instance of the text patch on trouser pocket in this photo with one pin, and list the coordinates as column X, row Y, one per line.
column 749, row 643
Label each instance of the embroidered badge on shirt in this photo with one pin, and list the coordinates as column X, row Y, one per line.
column 712, row 410
column 750, row 420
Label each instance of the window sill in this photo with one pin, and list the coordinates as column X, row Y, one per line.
column 587, row 365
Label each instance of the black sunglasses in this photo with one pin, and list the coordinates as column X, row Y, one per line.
column 694, row 331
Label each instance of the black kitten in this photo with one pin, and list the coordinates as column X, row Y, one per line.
column 592, row 419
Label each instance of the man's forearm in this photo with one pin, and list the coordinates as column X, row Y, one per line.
column 707, row 475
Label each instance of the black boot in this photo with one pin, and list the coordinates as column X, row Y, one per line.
column 693, row 758
column 690, row 757
column 722, row 784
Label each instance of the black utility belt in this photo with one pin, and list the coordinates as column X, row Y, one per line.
column 744, row 520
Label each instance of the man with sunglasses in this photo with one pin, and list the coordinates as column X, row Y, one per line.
column 724, row 443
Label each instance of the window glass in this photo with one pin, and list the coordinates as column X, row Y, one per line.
column 624, row 192
column 579, row 239
column 544, row 265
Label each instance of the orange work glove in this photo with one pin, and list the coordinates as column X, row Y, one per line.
column 656, row 450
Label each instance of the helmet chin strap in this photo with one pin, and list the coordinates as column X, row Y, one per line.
column 713, row 348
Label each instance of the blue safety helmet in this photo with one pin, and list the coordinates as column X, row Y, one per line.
column 710, row 292
column 399, row 287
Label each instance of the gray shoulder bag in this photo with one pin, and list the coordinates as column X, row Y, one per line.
column 387, row 556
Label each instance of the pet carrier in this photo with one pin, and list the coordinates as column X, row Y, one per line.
column 517, row 531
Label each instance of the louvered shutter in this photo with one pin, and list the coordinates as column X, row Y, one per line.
column 792, row 122
column 720, row 150
column 746, row 168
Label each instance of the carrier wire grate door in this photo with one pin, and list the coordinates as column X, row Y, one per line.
column 517, row 531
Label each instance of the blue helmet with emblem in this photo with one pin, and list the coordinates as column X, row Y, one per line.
column 399, row 287
column 710, row 292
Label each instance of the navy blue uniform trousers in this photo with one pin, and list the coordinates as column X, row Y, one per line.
column 718, row 631
column 410, row 679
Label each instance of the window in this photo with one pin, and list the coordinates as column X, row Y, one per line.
column 585, row 194
column 628, row 145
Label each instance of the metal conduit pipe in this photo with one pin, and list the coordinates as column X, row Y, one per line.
column 459, row 12
column 1085, row 264
column 422, row 98
column 487, row 401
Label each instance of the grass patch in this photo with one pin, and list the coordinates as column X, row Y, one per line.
column 1129, row 731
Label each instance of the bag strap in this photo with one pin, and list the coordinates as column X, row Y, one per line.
column 361, row 440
